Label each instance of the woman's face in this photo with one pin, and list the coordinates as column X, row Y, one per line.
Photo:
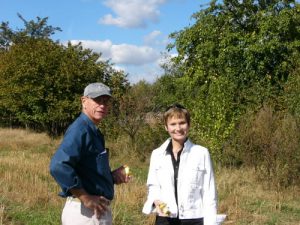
column 177, row 128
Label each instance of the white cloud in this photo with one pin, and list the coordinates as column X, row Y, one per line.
column 123, row 53
column 132, row 13
column 152, row 38
column 140, row 62
column 103, row 47
column 148, row 73
column 134, row 55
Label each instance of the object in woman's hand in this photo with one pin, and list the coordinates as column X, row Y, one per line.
column 164, row 208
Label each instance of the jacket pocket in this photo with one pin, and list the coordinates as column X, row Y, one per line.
column 103, row 162
column 196, row 177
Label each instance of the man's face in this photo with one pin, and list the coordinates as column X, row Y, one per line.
column 96, row 108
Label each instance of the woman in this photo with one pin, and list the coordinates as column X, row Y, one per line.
column 181, row 186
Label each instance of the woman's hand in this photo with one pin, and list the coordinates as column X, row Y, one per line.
column 161, row 208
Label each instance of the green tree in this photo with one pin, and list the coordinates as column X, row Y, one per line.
column 137, row 120
column 134, row 106
column 236, row 55
column 34, row 29
column 41, row 81
column 291, row 95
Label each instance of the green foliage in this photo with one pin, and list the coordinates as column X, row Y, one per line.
column 36, row 30
column 292, row 93
column 134, row 106
column 270, row 141
column 236, row 56
column 168, row 89
column 213, row 115
column 148, row 139
column 41, row 81
column 41, row 85
column 133, row 115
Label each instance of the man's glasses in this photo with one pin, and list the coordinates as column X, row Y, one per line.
column 101, row 100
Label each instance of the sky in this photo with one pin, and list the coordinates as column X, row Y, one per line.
column 132, row 34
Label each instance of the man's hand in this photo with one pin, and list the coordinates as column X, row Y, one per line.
column 120, row 176
column 98, row 204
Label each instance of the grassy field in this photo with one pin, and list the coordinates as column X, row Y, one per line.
column 28, row 194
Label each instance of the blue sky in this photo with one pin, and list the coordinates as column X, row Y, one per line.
column 131, row 33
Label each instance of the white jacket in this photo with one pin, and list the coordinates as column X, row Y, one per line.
column 196, row 186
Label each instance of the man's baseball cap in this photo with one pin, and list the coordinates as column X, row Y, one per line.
column 95, row 90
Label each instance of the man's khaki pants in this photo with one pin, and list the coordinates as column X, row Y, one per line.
column 75, row 213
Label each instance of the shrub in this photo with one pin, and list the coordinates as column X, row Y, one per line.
column 270, row 142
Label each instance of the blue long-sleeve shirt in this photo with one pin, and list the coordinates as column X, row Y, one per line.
column 81, row 161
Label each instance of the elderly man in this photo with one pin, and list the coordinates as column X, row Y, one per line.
column 81, row 164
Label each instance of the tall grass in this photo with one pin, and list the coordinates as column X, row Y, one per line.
column 28, row 194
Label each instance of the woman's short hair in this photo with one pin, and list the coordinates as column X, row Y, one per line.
column 178, row 111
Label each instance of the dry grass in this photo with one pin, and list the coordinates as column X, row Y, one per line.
column 24, row 176
column 128, row 203
column 24, row 165
column 246, row 201
column 25, row 184
column 20, row 139
column 1, row 214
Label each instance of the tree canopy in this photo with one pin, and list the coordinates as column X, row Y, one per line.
column 238, row 55
column 41, row 81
